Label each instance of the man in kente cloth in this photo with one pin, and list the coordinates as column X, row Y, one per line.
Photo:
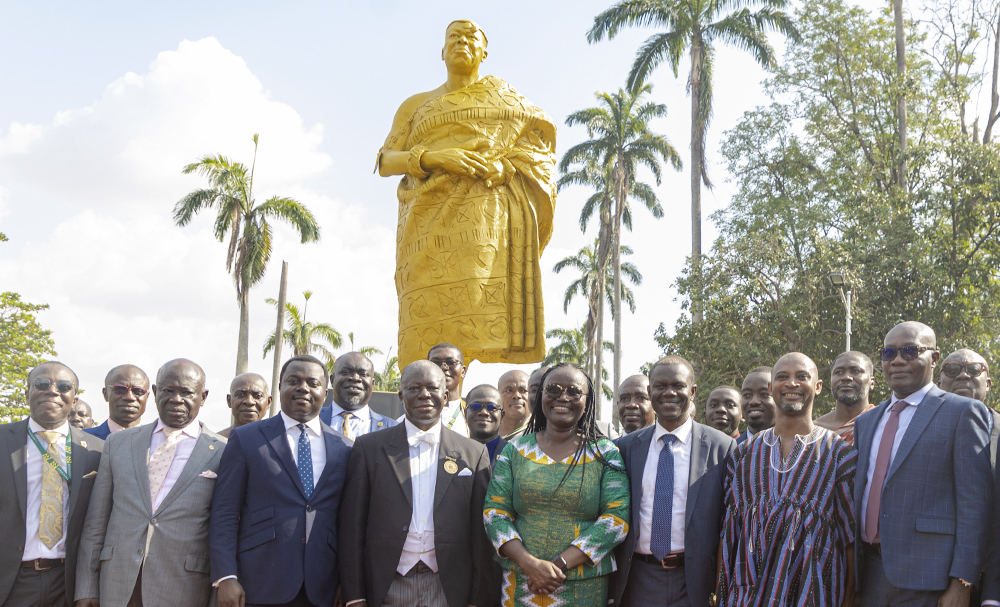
column 475, row 211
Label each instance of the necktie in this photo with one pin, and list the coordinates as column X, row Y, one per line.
column 663, row 500
column 345, row 429
column 422, row 437
column 305, row 462
column 160, row 460
column 881, row 468
column 50, row 517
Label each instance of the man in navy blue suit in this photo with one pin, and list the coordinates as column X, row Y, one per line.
column 923, row 484
column 352, row 381
column 126, row 389
column 273, row 530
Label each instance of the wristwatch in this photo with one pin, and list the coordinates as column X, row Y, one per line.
column 712, row 600
column 560, row 562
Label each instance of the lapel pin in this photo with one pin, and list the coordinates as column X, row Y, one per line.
column 211, row 447
column 379, row 425
column 83, row 444
column 450, row 467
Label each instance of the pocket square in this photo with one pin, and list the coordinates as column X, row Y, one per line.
column 90, row 474
column 208, row 474
column 465, row 472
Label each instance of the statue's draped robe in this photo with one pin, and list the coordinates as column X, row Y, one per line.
column 467, row 256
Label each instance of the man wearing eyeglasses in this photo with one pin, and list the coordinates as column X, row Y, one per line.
column 452, row 363
column 248, row 398
column 126, row 389
column 923, row 485
column 45, row 486
column 484, row 413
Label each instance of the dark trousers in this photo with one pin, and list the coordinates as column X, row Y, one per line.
column 653, row 586
column 38, row 588
column 876, row 591
column 300, row 600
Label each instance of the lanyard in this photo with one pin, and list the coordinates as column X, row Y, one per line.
column 454, row 416
column 65, row 474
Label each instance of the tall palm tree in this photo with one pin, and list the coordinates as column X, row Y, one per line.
column 300, row 335
column 366, row 350
column 388, row 379
column 570, row 349
column 620, row 140
column 695, row 25
column 246, row 224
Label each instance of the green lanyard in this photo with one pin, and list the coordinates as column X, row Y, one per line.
column 454, row 416
column 65, row 474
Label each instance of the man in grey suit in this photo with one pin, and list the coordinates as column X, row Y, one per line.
column 923, row 484
column 43, row 500
column 145, row 542
column 352, row 382
column 685, row 575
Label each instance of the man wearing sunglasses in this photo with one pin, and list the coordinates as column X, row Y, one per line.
column 923, row 484
column 126, row 389
column 46, row 478
column 484, row 413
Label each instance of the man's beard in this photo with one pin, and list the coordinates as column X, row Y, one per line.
column 354, row 401
column 850, row 399
column 797, row 407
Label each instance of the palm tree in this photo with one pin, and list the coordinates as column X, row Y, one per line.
column 586, row 262
column 246, row 223
column 366, row 350
column 695, row 25
column 300, row 335
column 571, row 349
column 388, row 379
column 620, row 140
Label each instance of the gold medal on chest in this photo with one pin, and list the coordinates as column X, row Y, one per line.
column 450, row 467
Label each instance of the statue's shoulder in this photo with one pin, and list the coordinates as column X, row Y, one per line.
column 413, row 103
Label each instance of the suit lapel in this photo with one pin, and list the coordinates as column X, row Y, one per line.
column 200, row 456
column 398, row 452
column 699, row 466
column 636, row 466
column 17, row 446
column 329, row 436
column 926, row 411
column 140, row 460
column 446, row 451
column 79, row 439
column 274, row 431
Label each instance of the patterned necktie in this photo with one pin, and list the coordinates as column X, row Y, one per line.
column 881, row 468
column 345, row 429
column 160, row 460
column 50, row 516
column 305, row 462
column 663, row 501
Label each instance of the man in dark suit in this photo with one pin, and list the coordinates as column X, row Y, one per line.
column 352, row 382
column 484, row 413
column 126, row 389
column 412, row 529
column 923, row 484
column 685, row 574
column 44, row 500
column 757, row 403
column 273, row 530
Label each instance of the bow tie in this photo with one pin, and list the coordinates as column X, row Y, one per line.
column 422, row 437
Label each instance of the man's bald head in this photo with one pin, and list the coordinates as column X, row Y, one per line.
column 248, row 398
column 50, row 364
column 182, row 366
column 126, row 390
column 914, row 331
column 116, row 374
column 965, row 372
column 907, row 375
column 423, row 391
column 247, row 379
column 512, row 376
column 419, row 368
column 792, row 358
column 484, row 390
column 795, row 383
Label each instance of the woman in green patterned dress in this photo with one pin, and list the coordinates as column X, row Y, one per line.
column 558, row 502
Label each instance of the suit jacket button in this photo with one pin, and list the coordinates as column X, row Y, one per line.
column 20, row 548
column 309, row 508
column 153, row 520
column 406, row 527
column 139, row 552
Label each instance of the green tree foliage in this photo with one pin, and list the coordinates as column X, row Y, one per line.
column 387, row 380
column 302, row 336
column 24, row 344
column 817, row 191
column 571, row 348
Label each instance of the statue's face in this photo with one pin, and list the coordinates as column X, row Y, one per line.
column 464, row 47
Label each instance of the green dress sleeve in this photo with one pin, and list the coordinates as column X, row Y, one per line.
column 611, row 525
column 498, row 511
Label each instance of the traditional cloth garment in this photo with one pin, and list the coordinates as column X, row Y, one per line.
column 788, row 523
column 846, row 431
column 590, row 511
column 467, row 269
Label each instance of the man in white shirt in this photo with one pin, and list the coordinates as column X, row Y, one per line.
column 416, row 536
column 44, row 500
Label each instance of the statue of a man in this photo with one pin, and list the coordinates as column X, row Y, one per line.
column 475, row 211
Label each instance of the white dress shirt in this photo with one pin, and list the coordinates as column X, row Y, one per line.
column 114, row 427
column 361, row 420
column 681, row 450
column 905, row 416
column 419, row 545
column 186, row 441
column 317, row 444
column 33, row 547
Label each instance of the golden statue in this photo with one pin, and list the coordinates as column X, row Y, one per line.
column 475, row 211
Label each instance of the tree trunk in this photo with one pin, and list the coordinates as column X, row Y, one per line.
column 697, row 151
column 603, row 246
column 897, row 6
column 621, row 180
column 994, row 94
column 243, row 348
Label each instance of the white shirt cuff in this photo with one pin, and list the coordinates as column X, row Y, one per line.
column 354, row 602
column 216, row 583
column 993, row 603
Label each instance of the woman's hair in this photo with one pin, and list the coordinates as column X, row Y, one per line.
column 587, row 426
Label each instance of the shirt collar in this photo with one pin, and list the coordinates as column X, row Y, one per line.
column 683, row 433
column 113, row 426
column 364, row 413
column 193, row 429
column 454, row 403
column 914, row 399
column 412, row 430
column 313, row 424
column 36, row 427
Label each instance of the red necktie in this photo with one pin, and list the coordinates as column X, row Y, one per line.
column 881, row 468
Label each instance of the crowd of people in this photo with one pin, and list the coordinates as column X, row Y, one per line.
column 516, row 494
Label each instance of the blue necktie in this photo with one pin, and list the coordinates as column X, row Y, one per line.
column 663, row 501
column 306, row 462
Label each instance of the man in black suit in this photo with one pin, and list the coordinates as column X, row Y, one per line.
column 411, row 527
column 679, row 567
column 44, row 500
column 484, row 414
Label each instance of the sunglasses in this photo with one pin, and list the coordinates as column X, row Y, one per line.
column 62, row 386
column 955, row 369
column 123, row 390
column 908, row 353
column 477, row 407
column 556, row 391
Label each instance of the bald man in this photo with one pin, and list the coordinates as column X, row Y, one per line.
column 81, row 416
column 635, row 409
column 248, row 398
column 145, row 542
column 924, row 482
column 513, row 386
column 774, row 529
column 126, row 389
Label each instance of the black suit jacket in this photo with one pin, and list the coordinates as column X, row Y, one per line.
column 86, row 453
column 378, row 505
column 706, row 496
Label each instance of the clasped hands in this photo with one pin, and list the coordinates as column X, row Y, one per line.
column 467, row 164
